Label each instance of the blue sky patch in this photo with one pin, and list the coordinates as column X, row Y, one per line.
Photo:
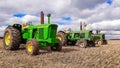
column 66, row 18
column 61, row 23
column 20, row 15
column 109, row 2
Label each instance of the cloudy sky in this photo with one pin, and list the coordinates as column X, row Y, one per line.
column 98, row 14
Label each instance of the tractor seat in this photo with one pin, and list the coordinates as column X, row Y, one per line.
column 24, row 26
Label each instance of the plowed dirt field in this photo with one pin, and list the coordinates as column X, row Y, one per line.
column 105, row 56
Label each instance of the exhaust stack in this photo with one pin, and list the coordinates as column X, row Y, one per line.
column 48, row 15
column 80, row 25
column 85, row 26
column 97, row 31
column 42, row 17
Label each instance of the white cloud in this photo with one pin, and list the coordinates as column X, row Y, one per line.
column 96, row 13
column 105, row 25
column 28, row 18
column 2, row 28
column 113, row 37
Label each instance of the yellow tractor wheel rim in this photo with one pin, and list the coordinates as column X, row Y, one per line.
column 59, row 38
column 30, row 47
column 99, row 42
column 7, row 38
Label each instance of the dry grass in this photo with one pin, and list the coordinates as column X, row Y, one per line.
column 106, row 56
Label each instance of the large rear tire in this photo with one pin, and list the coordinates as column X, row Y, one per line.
column 32, row 47
column 12, row 38
column 82, row 44
column 62, row 37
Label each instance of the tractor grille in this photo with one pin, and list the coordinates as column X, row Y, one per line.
column 41, row 33
column 53, row 32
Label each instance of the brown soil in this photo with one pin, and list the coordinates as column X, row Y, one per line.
column 106, row 56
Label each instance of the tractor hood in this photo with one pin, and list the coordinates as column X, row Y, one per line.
column 42, row 26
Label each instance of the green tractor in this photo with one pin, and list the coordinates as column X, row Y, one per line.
column 82, row 38
column 35, row 37
column 99, row 39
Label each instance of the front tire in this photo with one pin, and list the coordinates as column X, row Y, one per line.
column 99, row 42
column 57, row 47
column 12, row 38
column 105, row 42
column 32, row 47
